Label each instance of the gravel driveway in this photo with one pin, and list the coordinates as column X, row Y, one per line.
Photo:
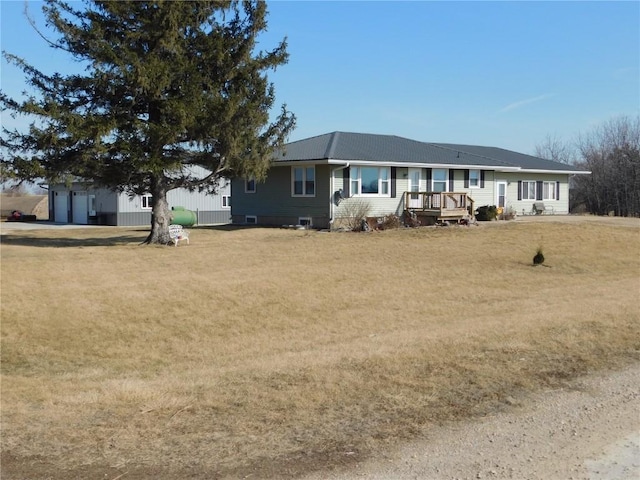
column 589, row 431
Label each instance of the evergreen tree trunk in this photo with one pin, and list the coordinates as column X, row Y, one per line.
column 160, row 215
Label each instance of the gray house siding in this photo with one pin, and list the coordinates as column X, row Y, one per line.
column 107, row 208
column 273, row 202
column 133, row 219
column 213, row 217
column 128, row 219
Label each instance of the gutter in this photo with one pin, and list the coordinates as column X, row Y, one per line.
column 331, row 203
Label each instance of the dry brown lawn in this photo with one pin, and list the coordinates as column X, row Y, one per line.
column 269, row 352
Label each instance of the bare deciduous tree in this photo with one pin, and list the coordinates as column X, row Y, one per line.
column 611, row 152
column 554, row 148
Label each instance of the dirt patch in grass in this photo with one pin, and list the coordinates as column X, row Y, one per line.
column 271, row 352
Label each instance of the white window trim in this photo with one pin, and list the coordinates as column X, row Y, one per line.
column 246, row 185
column 146, row 201
column 447, row 187
column 552, row 185
column 226, row 201
column 535, row 190
column 305, row 221
column 479, row 176
column 251, row 219
column 304, row 181
column 353, row 180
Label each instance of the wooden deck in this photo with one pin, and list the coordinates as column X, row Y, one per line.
column 439, row 206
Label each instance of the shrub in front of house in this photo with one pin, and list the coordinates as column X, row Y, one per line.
column 355, row 212
column 486, row 213
column 391, row 221
column 508, row 214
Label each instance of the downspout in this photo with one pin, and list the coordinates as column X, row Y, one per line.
column 331, row 198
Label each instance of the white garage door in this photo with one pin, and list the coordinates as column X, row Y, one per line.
column 80, row 208
column 60, row 207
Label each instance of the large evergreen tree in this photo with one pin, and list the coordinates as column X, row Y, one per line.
column 168, row 86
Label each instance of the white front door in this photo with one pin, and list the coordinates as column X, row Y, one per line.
column 415, row 186
column 501, row 194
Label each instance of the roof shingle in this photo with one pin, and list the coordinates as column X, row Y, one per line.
column 374, row 148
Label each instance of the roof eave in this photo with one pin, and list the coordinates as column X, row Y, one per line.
column 310, row 161
column 335, row 161
column 460, row 166
column 564, row 172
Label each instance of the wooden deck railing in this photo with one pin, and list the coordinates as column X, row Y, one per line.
column 441, row 204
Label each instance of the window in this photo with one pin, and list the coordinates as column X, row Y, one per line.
column 474, row 178
column 371, row 181
column 439, row 182
column 305, row 221
column 146, row 202
column 226, row 201
column 549, row 191
column 250, row 185
column 304, row 181
column 528, row 190
column 251, row 219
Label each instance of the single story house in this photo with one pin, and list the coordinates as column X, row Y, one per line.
column 317, row 181
column 82, row 203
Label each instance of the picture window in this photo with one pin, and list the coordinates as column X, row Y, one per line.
column 372, row 181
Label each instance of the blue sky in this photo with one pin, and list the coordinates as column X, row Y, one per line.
column 504, row 74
